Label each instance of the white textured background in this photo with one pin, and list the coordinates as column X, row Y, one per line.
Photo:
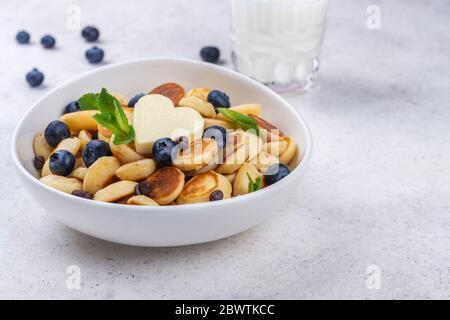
column 377, row 192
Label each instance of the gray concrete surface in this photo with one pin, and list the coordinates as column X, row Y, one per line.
column 377, row 191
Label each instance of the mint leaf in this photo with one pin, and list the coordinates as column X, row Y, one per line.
column 105, row 102
column 258, row 183
column 111, row 115
column 120, row 139
column 254, row 186
column 106, row 122
column 88, row 102
column 240, row 119
column 122, row 120
column 250, row 184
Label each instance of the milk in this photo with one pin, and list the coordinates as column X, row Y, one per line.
column 278, row 42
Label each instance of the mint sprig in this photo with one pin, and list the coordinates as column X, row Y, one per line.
column 254, row 185
column 240, row 119
column 111, row 115
column 88, row 101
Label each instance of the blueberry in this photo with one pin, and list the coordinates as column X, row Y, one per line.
column 135, row 99
column 55, row 132
column 83, row 194
column 38, row 162
column 218, row 99
column 217, row 133
column 94, row 55
column 143, row 188
column 216, row 195
column 72, row 107
column 48, row 41
column 95, row 149
column 210, row 54
column 61, row 162
column 275, row 173
column 23, row 37
column 162, row 152
column 34, row 77
column 90, row 34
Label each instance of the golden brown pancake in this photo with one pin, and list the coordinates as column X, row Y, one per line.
column 241, row 182
column 199, row 188
column 165, row 184
column 200, row 153
column 288, row 154
column 173, row 91
column 235, row 153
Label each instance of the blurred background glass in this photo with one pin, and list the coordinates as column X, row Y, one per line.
column 278, row 42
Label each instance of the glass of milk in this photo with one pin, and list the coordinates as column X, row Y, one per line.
column 278, row 42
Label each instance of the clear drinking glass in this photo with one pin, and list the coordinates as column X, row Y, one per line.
column 278, row 42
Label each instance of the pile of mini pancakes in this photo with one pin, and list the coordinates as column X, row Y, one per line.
column 133, row 178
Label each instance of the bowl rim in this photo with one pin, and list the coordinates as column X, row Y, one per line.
column 231, row 201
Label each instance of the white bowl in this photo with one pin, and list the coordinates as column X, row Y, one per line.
column 165, row 225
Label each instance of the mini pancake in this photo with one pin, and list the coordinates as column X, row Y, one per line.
column 276, row 148
column 267, row 130
column 173, row 91
column 241, row 182
column 142, row 200
column 253, row 145
column 263, row 161
column 115, row 191
column 209, row 122
column 199, row 188
column 209, row 167
column 205, row 108
column 201, row 152
column 288, row 154
column 201, row 93
column 231, row 177
column 235, row 153
column 165, row 184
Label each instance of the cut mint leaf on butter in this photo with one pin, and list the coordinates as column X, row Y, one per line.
column 254, row 185
column 111, row 115
column 240, row 119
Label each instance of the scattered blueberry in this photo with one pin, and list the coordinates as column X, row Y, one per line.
column 218, row 99
column 94, row 55
column 38, row 162
column 218, row 133
column 55, row 132
column 23, row 37
column 90, row 34
column 135, row 99
column 48, row 41
column 210, row 54
column 72, row 107
column 34, row 77
column 61, row 162
column 275, row 173
column 83, row 194
column 162, row 151
column 95, row 149
column 216, row 195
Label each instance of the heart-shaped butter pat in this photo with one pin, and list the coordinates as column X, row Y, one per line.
column 156, row 117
